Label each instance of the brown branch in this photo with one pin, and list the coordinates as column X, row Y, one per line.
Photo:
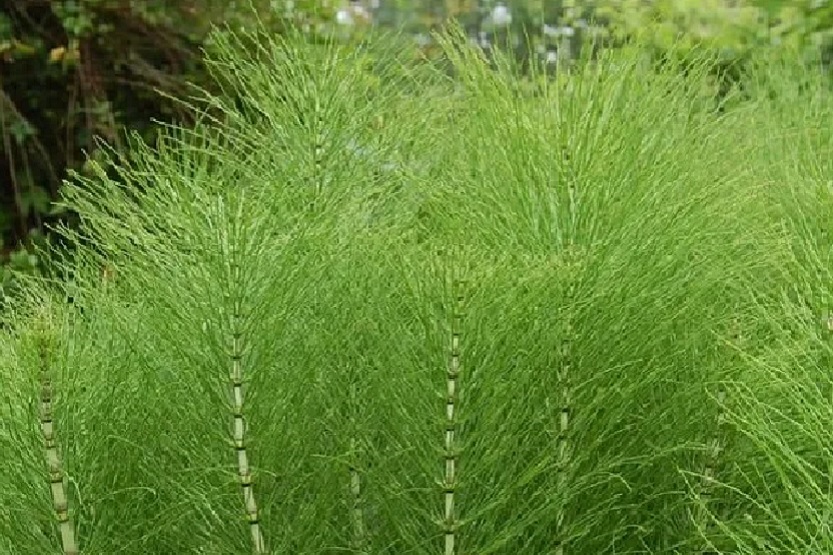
column 164, row 81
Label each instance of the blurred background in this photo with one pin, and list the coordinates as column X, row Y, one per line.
column 79, row 75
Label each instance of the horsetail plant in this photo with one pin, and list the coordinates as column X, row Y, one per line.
column 564, row 381
column 237, row 351
column 715, row 446
column 450, row 446
column 314, row 343
column 55, row 474
column 355, row 473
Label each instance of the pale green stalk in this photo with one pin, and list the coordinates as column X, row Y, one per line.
column 237, row 355
column 564, row 408
column 356, row 501
column 452, row 400
column 56, row 476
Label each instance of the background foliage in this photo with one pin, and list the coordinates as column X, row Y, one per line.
column 77, row 74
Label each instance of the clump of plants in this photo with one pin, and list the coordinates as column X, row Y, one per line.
column 397, row 311
column 78, row 76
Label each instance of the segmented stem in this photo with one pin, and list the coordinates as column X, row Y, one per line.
column 356, row 509
column 320, row 139
column 55, row 471
column 715, row 447
column 450, row 522
column 563, row 438
column 357, row 513
column 239, row 424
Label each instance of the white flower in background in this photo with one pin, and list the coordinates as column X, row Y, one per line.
column 349, row 15
column 501, row 16
column 344, row 17
column 552, row 57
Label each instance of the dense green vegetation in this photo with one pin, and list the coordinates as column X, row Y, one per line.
column 76, row 75
column 432, row 314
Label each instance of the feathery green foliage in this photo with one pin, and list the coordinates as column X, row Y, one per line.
column 409, row 313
